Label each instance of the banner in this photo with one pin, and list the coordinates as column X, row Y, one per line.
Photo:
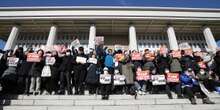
column 158, row 80
column 143, row 75
column 92, row 60
column 119, row 80
column 99, row 40
column 75, row 43
column 50, row 60
column 136, row 56
column 81, row 60
column 105, row 79
column 173, row 77
column 33, row 57
column 12, row 61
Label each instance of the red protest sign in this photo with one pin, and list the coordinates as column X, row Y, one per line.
column 136, row 56
column 173, row 77
column 33, row 57
column 142, row 75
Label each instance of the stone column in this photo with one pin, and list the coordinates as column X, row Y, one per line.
column 92, row 35
column 210, row 40
column 52, row 36
column 10, row 44
column 132, row 38
column 172, row 38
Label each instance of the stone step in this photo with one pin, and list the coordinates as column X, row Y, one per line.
column 90, row 97
column 114, row 102
column 127, row 107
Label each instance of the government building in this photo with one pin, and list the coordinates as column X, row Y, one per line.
column 134, row 28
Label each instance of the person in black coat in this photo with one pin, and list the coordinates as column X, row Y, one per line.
column 35, row 74
column 92, row 78
column 55, row 73
column 23, row 77
column 80, row 73
column 65, row 73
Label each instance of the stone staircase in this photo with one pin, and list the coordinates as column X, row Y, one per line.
column 94, row 102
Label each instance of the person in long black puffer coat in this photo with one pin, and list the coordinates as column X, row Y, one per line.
column 23, row 77
column 92, row 78
column 65, row 73
column 55, row 73
column 80, row 73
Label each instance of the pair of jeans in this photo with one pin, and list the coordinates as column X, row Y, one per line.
column 35, row 84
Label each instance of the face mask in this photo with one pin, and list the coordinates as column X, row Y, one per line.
column 68, row 53
column 164, row 55
column 153, row 72
column 202, row 72
column 105, row 72
column 167, row 71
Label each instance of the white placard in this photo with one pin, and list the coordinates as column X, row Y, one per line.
column 81, row 60
column 50, row 60
column 75, row 43
column 46, row 72
column 1, row 55
column 119, row 80
column 92, row 60
column 105, row 79
column 158, row 79
column 12, row 61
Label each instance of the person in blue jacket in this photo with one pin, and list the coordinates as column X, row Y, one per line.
column 109, row 61
column 190, row 85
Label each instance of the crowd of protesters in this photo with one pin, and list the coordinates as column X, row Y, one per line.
column 110, row 72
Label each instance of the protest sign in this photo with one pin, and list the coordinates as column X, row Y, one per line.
column 33, row 57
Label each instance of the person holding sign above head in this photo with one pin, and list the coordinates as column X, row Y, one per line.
column 23, row 73
column 35, row 72
column 65, row 72
column 80, row 72
column 105, row 80
column 172, row 75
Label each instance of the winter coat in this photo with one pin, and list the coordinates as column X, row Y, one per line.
column 162, row 63
column 92, row 74
column 127, row 70
column 67, row 63
column 24, row 68
column 175, row 65
column 187, row 80
column 188, row 62
column 109, row 61
column 36, row 69
column 80, row 70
